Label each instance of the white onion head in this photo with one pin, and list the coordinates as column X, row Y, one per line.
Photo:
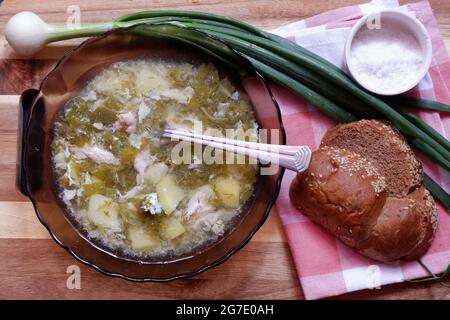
column 26, row 33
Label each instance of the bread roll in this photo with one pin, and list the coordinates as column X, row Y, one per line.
column 369, row 197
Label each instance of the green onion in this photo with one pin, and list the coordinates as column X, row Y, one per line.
column 427, row 129
column 212, row 48
column 407, row 101
column 296, row 72
column 322, row 103
column 433, row 277
column 437, row 192
column 431, row 153
column 189, row 14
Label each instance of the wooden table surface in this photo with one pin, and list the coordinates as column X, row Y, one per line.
column 32, row 266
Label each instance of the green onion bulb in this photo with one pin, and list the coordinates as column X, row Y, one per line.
column 26, row 33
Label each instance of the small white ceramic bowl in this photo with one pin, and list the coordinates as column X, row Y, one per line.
column 408, row 23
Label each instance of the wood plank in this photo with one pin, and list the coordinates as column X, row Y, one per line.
column 19, row 221
column 20, row 74
column 8, row 146
column 243, row 277
column 262, row 13
column 263, row 269
column 53, row 51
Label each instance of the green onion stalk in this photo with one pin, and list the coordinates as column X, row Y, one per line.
column 318, row 81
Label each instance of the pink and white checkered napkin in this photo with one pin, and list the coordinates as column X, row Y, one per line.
column 325, row 266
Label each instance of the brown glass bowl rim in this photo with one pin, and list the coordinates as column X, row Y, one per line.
column 219, row 261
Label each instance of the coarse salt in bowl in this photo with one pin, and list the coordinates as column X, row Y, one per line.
column 388, row 52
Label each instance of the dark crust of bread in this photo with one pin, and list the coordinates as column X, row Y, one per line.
column 383, row 145
column 346, row 190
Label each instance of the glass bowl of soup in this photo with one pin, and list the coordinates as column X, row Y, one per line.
column 111, row 190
